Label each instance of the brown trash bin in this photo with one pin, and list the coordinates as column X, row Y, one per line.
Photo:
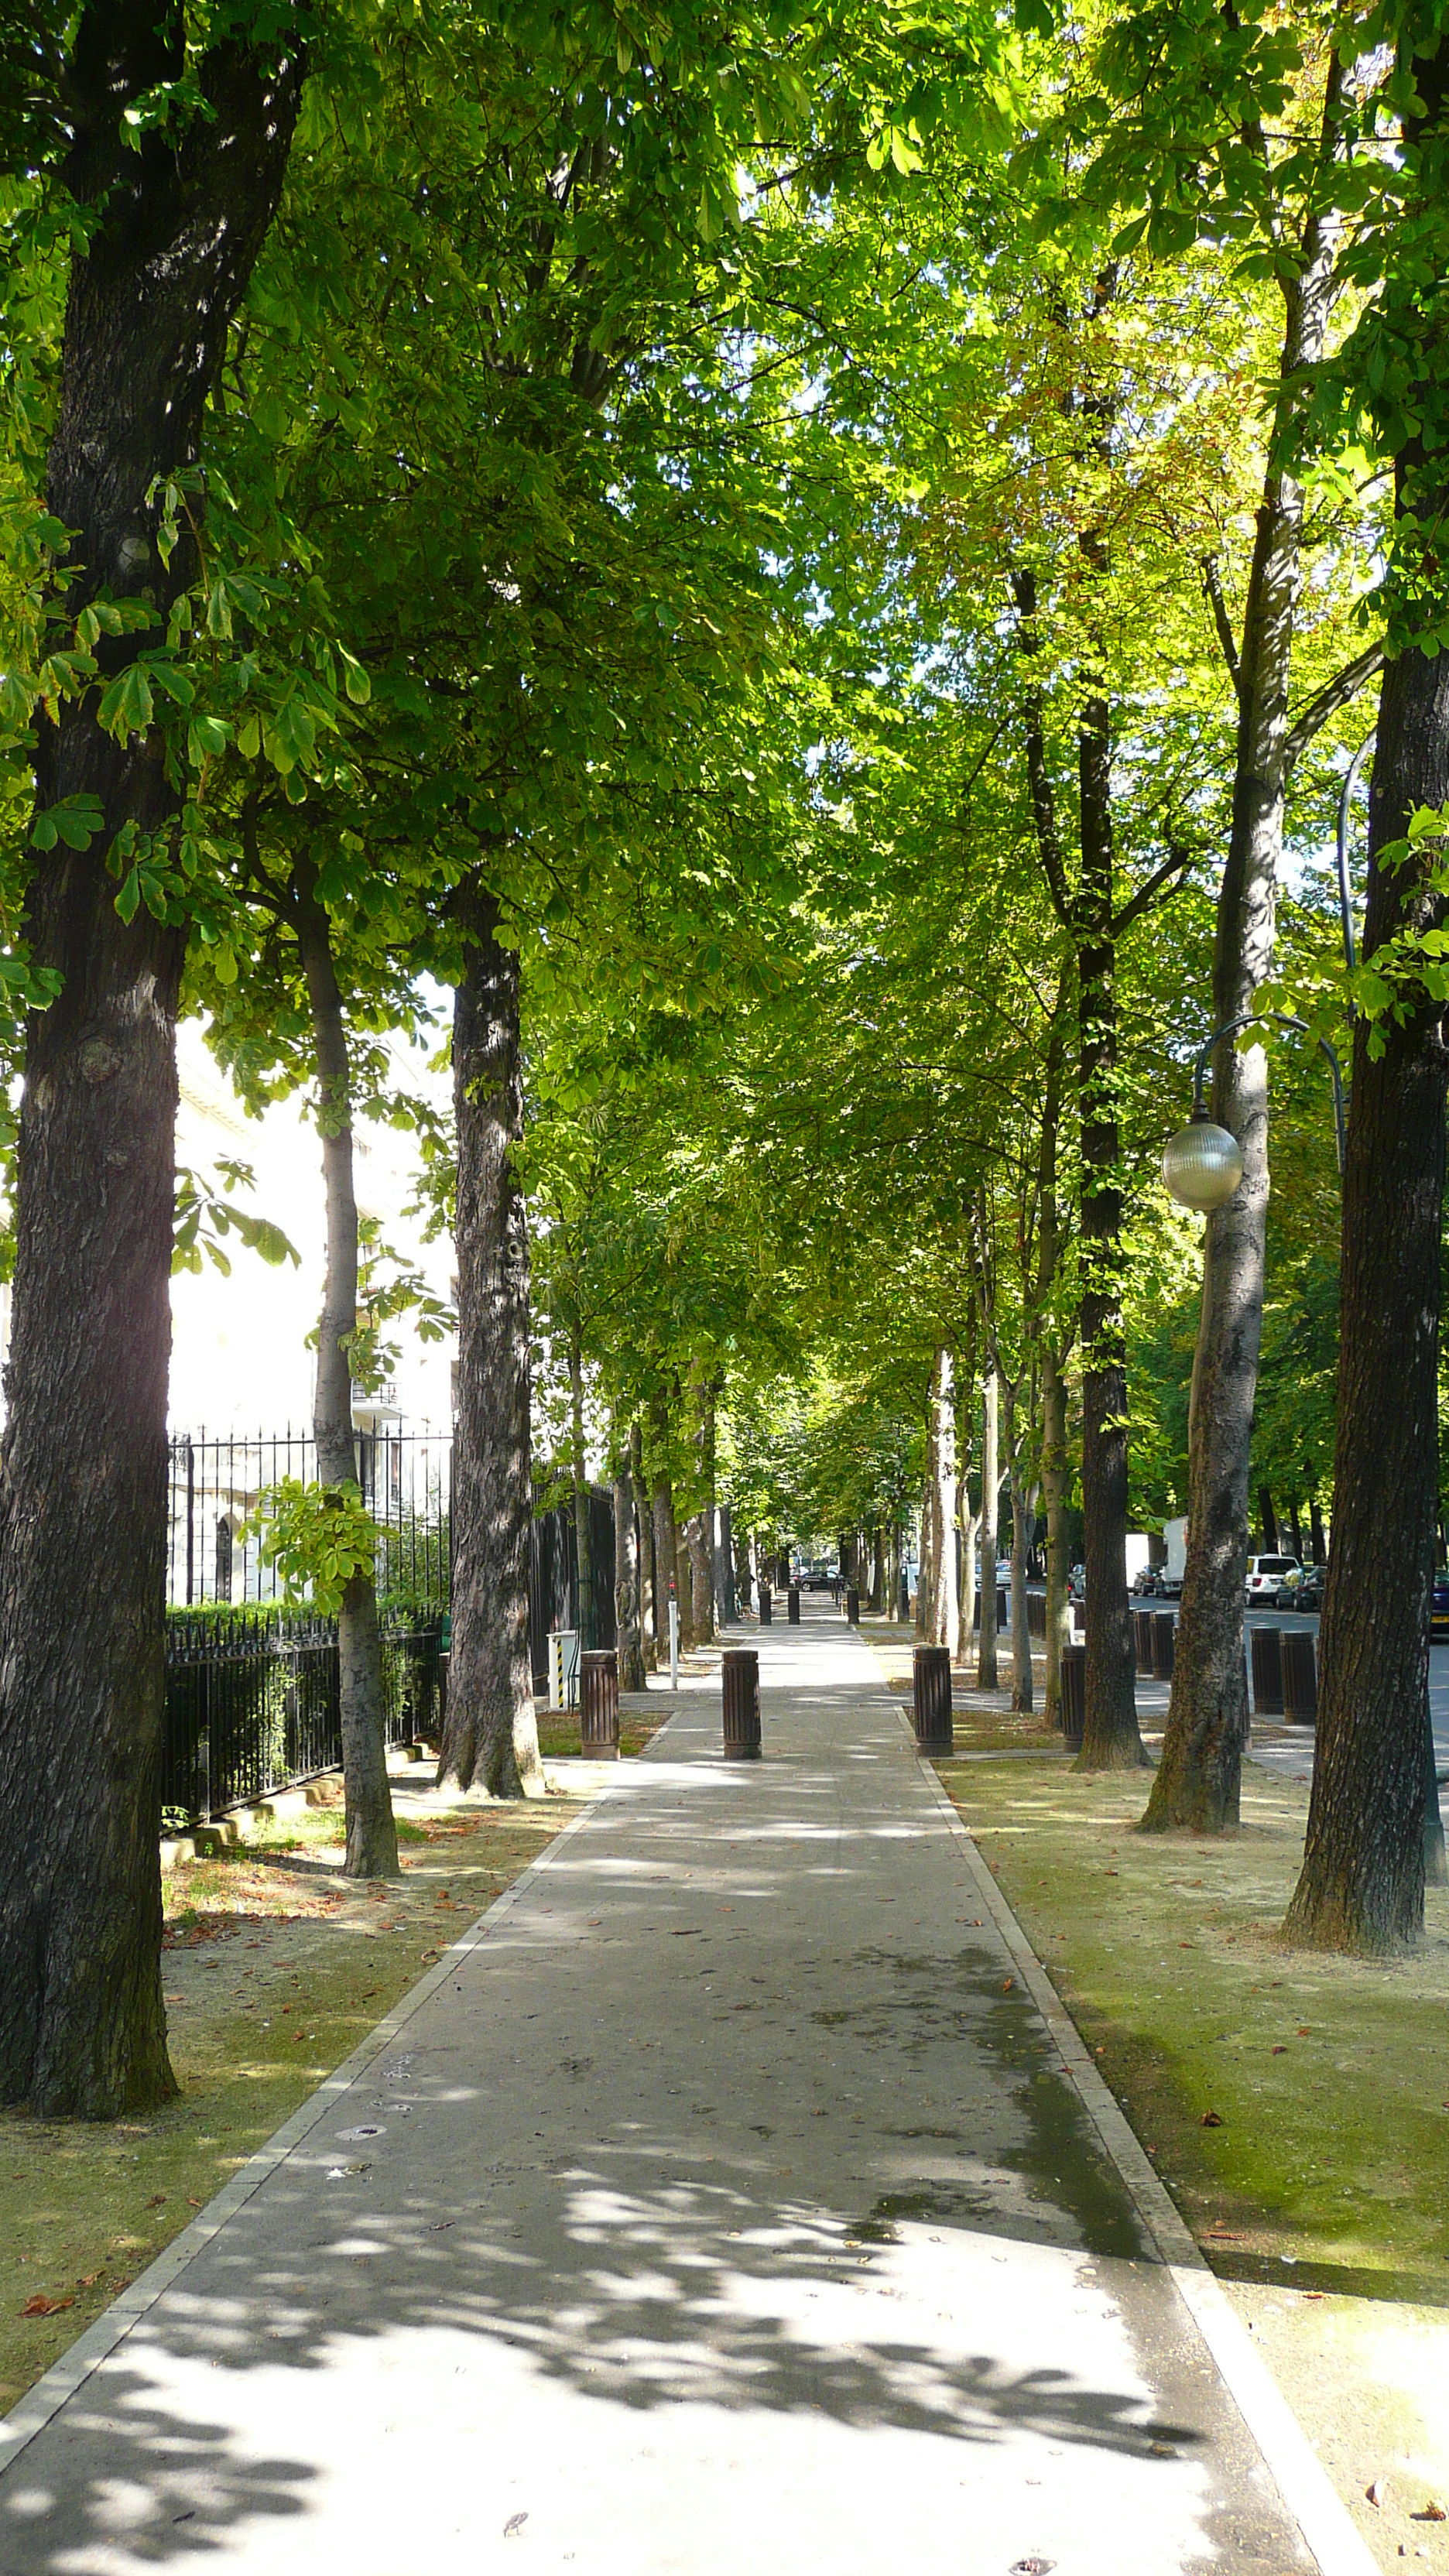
column 599, row 1704
column 1267, row 1653
column 852, row 1607
column 1300, row 1677
column 1142, row 1622
column 1164, row 1632
column 931, row 1680
column 767, row 1606
column 792, row 1605
column 740, row 1683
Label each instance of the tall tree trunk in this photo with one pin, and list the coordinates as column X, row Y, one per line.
column 665, row 1539
column 626, row 1584
column 371, row 1833
column 648, row 1590
column 1362, row 1881
column 1269, row 1520
column 583, row 1543
column 877, row 1571
column 1056, row 1477
column 941, row 1619
column 990, row 1493
column 173, row 228
column 1023, row 1509
column 925, row 1574
column 491, row 1735
column 699, row 1530
column 1198, row 1779
column 1110, row 1736
column 1315, row 1531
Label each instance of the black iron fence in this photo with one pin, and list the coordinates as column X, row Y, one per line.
column 216, row 1492
column 253, row 1702
column 252, row 1688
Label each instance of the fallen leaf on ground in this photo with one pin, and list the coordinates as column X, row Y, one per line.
column 1211, row 2120
column 514, row 2524
column 1377, row 2494
column 1433, row 2511
column 41, row 2306
column 157, row 2200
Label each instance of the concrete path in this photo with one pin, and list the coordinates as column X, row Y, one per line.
column 722, row 2211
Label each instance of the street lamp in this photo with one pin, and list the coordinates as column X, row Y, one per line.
column 1203, row 1164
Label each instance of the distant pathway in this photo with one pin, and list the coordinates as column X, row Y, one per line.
column 724, row 2212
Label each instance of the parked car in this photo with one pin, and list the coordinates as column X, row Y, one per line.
column 1265, row 1573
column 1168, row 1587
column 1144, row 1581
column 1301, row 1591
column 817, row 1576
column 1439, row 1606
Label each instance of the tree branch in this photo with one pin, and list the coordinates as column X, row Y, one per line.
column 1212, row 583
column 1328, row 701
column 1168, row 877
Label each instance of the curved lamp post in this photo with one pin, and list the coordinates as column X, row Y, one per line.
column 1203, row 1164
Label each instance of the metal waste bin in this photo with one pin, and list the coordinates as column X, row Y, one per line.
column 767, row 1605
column 792, row 1605
column 1142, row 1622
column 1074, row 1696
column 1266, row 1645
column 1300, row 1677
column 1164, row 1628
column 599, row 1703
column 852, row 1607
column 931, row 1680
column 740, row 1686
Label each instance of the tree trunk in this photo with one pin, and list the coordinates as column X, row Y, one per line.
column 491, row 1734
column 648, row 1590
column 1362, row 1882
column 1295, row 1529
column 666, row 1546
column 1269, row 1519
column 925, row 1570
column 1315, row 1531
column 699, row 1530
column 941, row 1616
column 1198, row 1779
column 1056, row 1476
column 583, row 1543
column 1110, row 1737
column 626, row 1585
column 990, row 1494
column 371, row 1833
column 1023, row 1507
column 173, row 231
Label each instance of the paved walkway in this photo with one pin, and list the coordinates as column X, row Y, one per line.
column 723, row 2211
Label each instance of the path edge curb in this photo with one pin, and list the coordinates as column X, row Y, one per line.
column 1329, row 2531
column 43, row 2402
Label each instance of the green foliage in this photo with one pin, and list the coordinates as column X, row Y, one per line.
column 318, row 1538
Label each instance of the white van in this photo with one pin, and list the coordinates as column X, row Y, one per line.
column 1265, row 1573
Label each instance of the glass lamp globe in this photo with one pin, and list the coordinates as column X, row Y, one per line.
column 1202, row 1165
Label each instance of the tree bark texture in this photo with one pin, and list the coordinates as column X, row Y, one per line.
column 648, row 1592
column 665, row 1539
column 941, row 1455
column 371, row 1833
column 583, row 1544
column 1110, row 1737
column 626, row 1585
column 178, row 223
column 1362, row 1882
column 491, row 1737
column 1056, row 1478
column 990, row 1503
column 1198, row 1779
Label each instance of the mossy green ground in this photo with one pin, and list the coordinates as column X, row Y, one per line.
column 1296, row 2105
column 275, row 1968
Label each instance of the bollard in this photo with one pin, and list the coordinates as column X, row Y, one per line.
column 931, row 1678
column 905, row 1600
column 599, row 1704
column 792, row 1605
column 740, row 1682
column 1163, row 1626
column 1074, row 1696
column 852, row 1607
column 1300, row 1677
column 767, row 1605
column 1142, row 1622
column 1267, row 1650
